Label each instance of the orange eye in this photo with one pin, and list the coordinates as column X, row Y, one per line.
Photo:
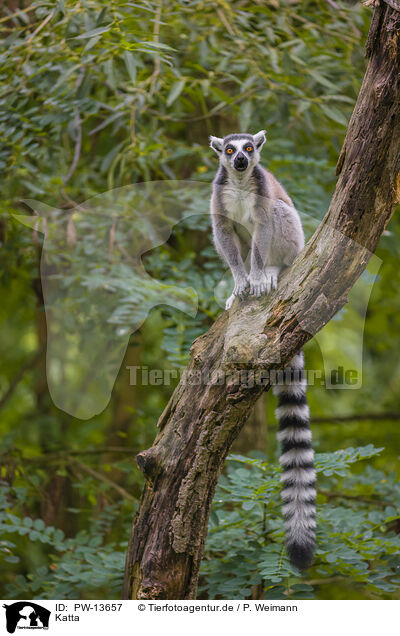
column 249, row 148
column 229, row 151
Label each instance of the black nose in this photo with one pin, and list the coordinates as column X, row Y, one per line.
column 240, row 162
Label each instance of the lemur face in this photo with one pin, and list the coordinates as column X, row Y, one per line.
column 238, row 152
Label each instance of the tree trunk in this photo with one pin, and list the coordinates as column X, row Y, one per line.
column 203, row 418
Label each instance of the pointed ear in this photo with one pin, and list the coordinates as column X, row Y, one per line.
column 259, row 139
column 216, row 143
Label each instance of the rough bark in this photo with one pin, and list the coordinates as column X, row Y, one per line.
column 201, row 420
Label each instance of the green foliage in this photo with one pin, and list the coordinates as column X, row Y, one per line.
column 143, row 86
column 358, row 543
column 94, row 97
column 357, row 540
column 76, row 566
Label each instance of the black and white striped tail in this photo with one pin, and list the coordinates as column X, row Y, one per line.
column 298, row 477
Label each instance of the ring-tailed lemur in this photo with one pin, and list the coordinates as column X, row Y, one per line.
column 251, row 211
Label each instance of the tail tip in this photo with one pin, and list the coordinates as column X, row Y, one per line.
column 301, row 556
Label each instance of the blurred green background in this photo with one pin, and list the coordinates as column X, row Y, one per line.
column 94, row 97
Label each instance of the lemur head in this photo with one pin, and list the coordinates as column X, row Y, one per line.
column 238, row 152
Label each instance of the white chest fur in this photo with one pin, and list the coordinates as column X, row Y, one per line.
column 239, row 201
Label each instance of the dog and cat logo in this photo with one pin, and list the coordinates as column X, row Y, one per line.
column 26, row 615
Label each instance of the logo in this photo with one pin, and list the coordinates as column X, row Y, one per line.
column 97, row 290
column 26, row 615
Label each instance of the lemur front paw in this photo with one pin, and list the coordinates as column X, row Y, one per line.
column 229, row 302
column 271, row 274
column 258, row 284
